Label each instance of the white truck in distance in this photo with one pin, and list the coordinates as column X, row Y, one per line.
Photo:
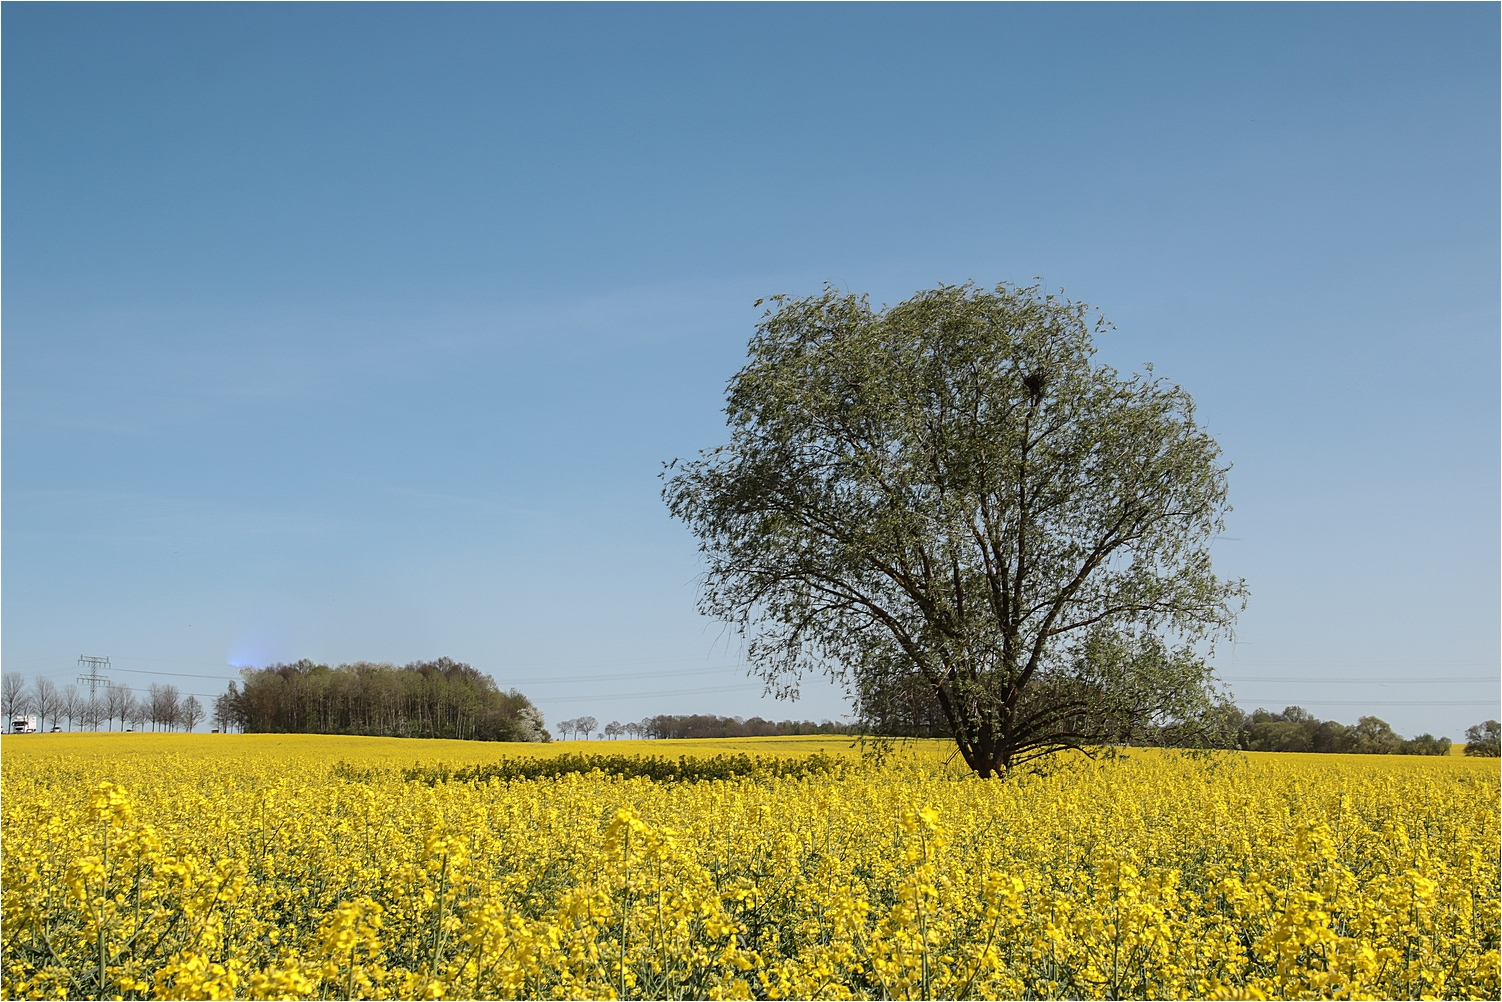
column 23, row 725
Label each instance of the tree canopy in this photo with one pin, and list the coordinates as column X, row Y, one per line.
column 949, row 501
column 1484, row 740
column 432, row 699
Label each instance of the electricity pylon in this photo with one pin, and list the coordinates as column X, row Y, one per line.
column 95, row 680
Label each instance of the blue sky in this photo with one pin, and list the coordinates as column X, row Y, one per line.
column 361, row 332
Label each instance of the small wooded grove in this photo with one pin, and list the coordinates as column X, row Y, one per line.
column 424, row 699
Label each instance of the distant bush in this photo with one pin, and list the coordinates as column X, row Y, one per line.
column 659, row 769
column 1425, row 744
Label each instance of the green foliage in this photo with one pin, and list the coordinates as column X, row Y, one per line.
column 659, row 769
column 430, row 699
column 936, row 501
column 1425, row 744
column 1484, row 740
column 1298, row 730
column 1136, row 690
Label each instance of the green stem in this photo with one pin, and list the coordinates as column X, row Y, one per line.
column 443, row 883
column 626, row 912
column 99, row 912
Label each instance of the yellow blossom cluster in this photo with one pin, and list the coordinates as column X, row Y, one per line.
column 213, row 866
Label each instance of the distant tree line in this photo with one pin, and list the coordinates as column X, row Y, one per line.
column 448, row 699
column 698, row 725
column 583, row 727
column 1293, row 730
column 424, row 699
column 1298, row 730
column 114, row 707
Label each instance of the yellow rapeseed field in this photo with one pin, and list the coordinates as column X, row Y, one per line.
column 228, row 866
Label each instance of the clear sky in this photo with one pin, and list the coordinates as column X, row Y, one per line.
column 361, row 332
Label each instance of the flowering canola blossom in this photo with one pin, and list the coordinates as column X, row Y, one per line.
column 196, row 866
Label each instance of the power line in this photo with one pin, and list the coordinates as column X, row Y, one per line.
column 649, row 695
column 563, row 699
column 539, row 680
column 1359, row 681
column 627, row 678
column 138, row 671
column 536, row 680
column 564, row 679
column 606, row 663
column 1378, row 702
column 1238, row 663
column 173, row 674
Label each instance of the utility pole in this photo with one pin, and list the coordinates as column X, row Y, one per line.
column 93, row 678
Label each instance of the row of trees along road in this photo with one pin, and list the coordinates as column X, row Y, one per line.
column 951, row 508
column 160, row 707
column 429, row 699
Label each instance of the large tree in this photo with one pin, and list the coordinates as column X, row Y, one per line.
column 1484, row 740
column 952, row 494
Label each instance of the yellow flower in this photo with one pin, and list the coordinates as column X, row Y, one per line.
column 299, row 867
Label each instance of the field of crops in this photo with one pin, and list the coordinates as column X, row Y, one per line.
column 215, row 866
